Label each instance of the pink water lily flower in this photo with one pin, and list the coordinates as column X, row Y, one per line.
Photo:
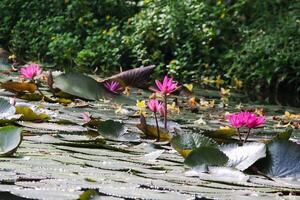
column 237, row 120
column 167, row 86
column 30, row 71
column 154, row 105
column 113, row 86
column 245, row 119
column 254, row 121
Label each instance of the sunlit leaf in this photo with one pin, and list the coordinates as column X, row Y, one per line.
column 31, row 96
column 29, row 115
column 242, row 157
column 10, row 139
column 223, row 132
column 151, row 131
column 19, row 86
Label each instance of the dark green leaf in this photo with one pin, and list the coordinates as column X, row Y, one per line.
column 185, row 143
column 206, row 156
column 80, row 85
column 117, row 131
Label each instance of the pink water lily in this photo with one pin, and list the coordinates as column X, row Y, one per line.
column 167, row 86
column 30, row 71
column 255, row 121
column 154, row 105
column 245, row 119
column 113, row 86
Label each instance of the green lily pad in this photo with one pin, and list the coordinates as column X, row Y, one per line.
column 10, row 139
column 283, row 159
column 117, row 131
column 205, row 156
column 79, row 85
column 185, row 143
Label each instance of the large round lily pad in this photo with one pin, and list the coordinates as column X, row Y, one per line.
column 10, row 139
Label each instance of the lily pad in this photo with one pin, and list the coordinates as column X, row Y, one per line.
column 283, row 159
column 205, row 156
column 10, row 139
column 185, row 143
column 242, row 157
column 79, row 85
column 117, row 131
column 53, row 127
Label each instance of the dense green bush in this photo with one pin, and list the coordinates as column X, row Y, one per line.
column 253, row 40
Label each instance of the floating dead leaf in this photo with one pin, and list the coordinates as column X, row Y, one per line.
column 29, row 115
column 19, row 86
column 151, row 130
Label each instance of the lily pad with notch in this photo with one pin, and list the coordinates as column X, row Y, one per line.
column 282, row 160
column 117, row 131
column 205, row 156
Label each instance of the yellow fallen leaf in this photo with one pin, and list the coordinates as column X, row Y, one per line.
column 189, row 86
column 29, row 115
column 19, row 86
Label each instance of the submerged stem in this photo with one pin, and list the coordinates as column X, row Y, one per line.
column 166, row 111
column 157, row 127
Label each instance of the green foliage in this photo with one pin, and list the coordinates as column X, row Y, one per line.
column 253, row 40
